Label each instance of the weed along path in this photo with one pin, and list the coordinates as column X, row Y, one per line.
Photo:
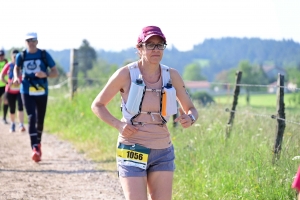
column 62, row 174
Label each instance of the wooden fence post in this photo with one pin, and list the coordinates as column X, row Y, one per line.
column 73, row 72
column 280, row 114
column 236, row 93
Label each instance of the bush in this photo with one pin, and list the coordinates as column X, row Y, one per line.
column 203, row 98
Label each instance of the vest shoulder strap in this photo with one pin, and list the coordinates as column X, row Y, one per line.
column 135, row 72
column 44, row 57
column 165, row 74
column 23, row 55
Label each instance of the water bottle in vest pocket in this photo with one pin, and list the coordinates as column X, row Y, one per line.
column 169, row 104
column 135, row 96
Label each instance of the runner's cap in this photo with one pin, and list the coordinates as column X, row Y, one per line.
column 30, row 36
column 150, row 31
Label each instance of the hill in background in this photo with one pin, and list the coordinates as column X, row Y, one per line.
column 218, row 55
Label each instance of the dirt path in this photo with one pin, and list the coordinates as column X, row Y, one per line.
column 62, row 174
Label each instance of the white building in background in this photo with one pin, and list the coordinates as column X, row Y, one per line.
column 289, row 87
column 198, row 86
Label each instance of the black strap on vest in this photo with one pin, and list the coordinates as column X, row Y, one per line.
column 140, row 107
column 44, row 60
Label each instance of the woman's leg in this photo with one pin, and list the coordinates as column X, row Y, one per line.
column 160, row 185
column 20, row 113
column 5, row 104
column 160, row 173
column 11, row 100
column 134, row 188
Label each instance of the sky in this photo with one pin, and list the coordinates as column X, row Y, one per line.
column 114, row 25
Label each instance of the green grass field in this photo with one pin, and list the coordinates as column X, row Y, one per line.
column 260, row 100
column 208, row 166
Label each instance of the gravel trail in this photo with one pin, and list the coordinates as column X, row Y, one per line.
column 63, row 173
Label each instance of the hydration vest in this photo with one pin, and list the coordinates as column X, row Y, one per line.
column 43, row 59
column 168, row 104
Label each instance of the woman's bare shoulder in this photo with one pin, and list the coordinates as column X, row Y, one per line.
column 122, row 73
column 174, row 73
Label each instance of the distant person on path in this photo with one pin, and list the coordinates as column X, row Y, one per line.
column 13, row 95
column 33, row 64
column 3, row 62
column 145, row 153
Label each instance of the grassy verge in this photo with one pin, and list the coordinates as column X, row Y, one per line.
column 260, row 100
column 208, row 166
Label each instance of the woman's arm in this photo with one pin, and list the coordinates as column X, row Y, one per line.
column 184, row 100
column 117, row 81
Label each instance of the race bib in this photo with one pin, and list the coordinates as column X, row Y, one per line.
column 14, row 88
column 36, row 91
column 133, row 155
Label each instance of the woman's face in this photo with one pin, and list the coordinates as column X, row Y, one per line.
column 152, row 56
column 13, row 58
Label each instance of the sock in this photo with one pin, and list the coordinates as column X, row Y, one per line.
column 5, row 109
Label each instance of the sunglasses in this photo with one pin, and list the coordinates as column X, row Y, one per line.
column 31, row 40
column 151, row 46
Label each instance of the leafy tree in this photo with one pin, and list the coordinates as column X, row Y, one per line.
column 293, row 76
column 86, row 57
column 202, row 98
column 252, row 75
column 100, row 72
column 222, row 54
column 192, row 72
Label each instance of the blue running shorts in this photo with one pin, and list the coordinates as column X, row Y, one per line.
column 158, row 160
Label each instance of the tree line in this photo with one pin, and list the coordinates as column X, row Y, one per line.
column 212, row 60
column 213, row 55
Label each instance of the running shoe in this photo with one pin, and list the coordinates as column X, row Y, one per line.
column 36, row 157
column 4, row 121
column 12, row 128
column 22, row 128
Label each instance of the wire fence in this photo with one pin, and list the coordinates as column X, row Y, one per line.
column 59, row 85
column 291, row 88
column 262, row 115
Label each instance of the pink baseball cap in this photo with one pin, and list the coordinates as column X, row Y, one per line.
column 150, row 31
